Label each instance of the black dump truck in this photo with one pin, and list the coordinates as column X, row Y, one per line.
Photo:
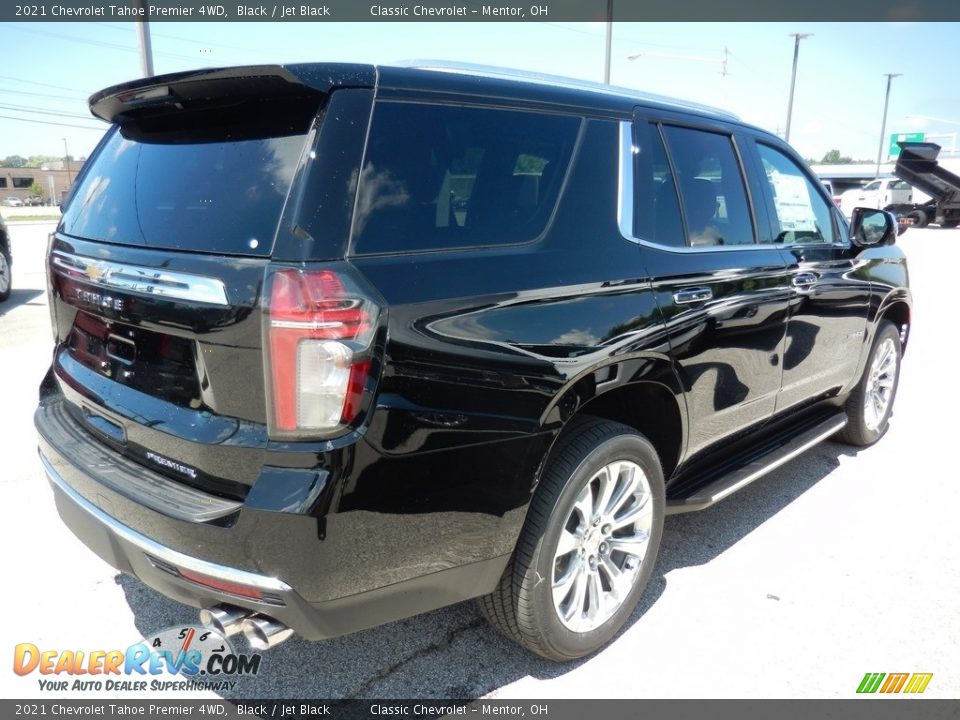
column 918, row 166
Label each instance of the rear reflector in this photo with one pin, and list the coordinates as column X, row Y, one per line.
column 320, row 324
column 221, row 585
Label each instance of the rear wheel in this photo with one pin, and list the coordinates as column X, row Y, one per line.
column 950, row 224
column 870, row 405
column 589, row 544
column 919, row 218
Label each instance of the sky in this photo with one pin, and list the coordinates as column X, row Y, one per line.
column 51, row 68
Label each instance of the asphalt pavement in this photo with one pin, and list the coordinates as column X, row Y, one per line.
column 840, row 563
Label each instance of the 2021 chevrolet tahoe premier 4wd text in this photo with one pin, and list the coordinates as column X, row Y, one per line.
column 339, row 344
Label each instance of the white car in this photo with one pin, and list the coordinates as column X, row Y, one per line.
column 14, row 202
column 828, row 186
column 877, row 194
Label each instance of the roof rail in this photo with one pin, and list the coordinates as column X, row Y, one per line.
column 493, row 71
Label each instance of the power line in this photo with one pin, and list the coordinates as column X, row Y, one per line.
column 632, row 40
column 202, row 43
column 83, row 41
column 48, row 122
column 101, row 43
column 43, row 111
column 46, row 95
column 34, row 82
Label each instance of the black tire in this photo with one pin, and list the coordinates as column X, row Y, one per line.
column 919, row 218
column 6, row 273
column 859, row 430
column 950, row 224
column 522, row 606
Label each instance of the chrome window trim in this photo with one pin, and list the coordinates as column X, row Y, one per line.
column 625, row 185
column 140, row 280
column 625, row 209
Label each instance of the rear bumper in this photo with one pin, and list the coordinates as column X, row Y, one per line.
column 160, row 567
column 275, row 554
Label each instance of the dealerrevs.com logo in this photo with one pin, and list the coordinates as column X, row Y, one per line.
column 178, row 658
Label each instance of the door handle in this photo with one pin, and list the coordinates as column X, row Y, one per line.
column 692, row 295
column 804, row 280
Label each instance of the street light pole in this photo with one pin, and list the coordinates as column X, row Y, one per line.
column 793, row 77
column 883, row 125
column 608, row 43
column 146, row 48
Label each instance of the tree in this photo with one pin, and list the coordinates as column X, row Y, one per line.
column 834, row 157
column 41, row 160
column 36, row 189
column 13, row 161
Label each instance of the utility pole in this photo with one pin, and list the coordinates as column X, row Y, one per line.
column 66, row 162
column 883, row 124
column 793, row 78
column 143, row 34
column 722, row 61
column 609, row 43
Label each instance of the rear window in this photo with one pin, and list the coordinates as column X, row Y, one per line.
column 217, row 197
column 440, row 176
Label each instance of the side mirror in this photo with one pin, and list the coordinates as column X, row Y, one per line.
column 869, row 227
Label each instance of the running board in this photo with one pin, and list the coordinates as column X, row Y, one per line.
column 743, row 476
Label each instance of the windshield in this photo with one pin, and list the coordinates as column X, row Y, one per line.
column 221, row 197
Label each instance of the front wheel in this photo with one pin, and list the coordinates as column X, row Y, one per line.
column 870, row 405
column 588, row 546
column 6, row 278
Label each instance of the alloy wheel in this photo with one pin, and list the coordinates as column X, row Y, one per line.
column 880, row 382
column 4, row 273
column 602, row 546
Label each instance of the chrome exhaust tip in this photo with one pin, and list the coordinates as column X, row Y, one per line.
column 225, row 619
column 264, row 633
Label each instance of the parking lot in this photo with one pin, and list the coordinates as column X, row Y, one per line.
column 838, row 564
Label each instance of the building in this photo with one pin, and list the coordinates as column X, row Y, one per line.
column 54, row 182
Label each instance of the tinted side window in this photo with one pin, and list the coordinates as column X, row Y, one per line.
column 711, row 186
column 656, row 208
column 804, row 216
column 440, row 176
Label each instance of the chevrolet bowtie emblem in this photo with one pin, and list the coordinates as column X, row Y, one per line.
column 97, row 272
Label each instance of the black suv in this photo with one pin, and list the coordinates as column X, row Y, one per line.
column 338, row 344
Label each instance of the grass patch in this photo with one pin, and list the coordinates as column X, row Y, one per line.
column 31, row 218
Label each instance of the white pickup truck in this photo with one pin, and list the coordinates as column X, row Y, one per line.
column 877, row 194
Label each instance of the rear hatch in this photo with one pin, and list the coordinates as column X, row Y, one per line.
column 157, row 267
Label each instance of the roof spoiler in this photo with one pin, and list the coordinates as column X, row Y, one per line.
column 237, row 102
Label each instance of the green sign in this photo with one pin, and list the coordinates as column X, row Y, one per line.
column 904, row 137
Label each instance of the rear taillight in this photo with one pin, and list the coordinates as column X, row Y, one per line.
column 319, row 327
